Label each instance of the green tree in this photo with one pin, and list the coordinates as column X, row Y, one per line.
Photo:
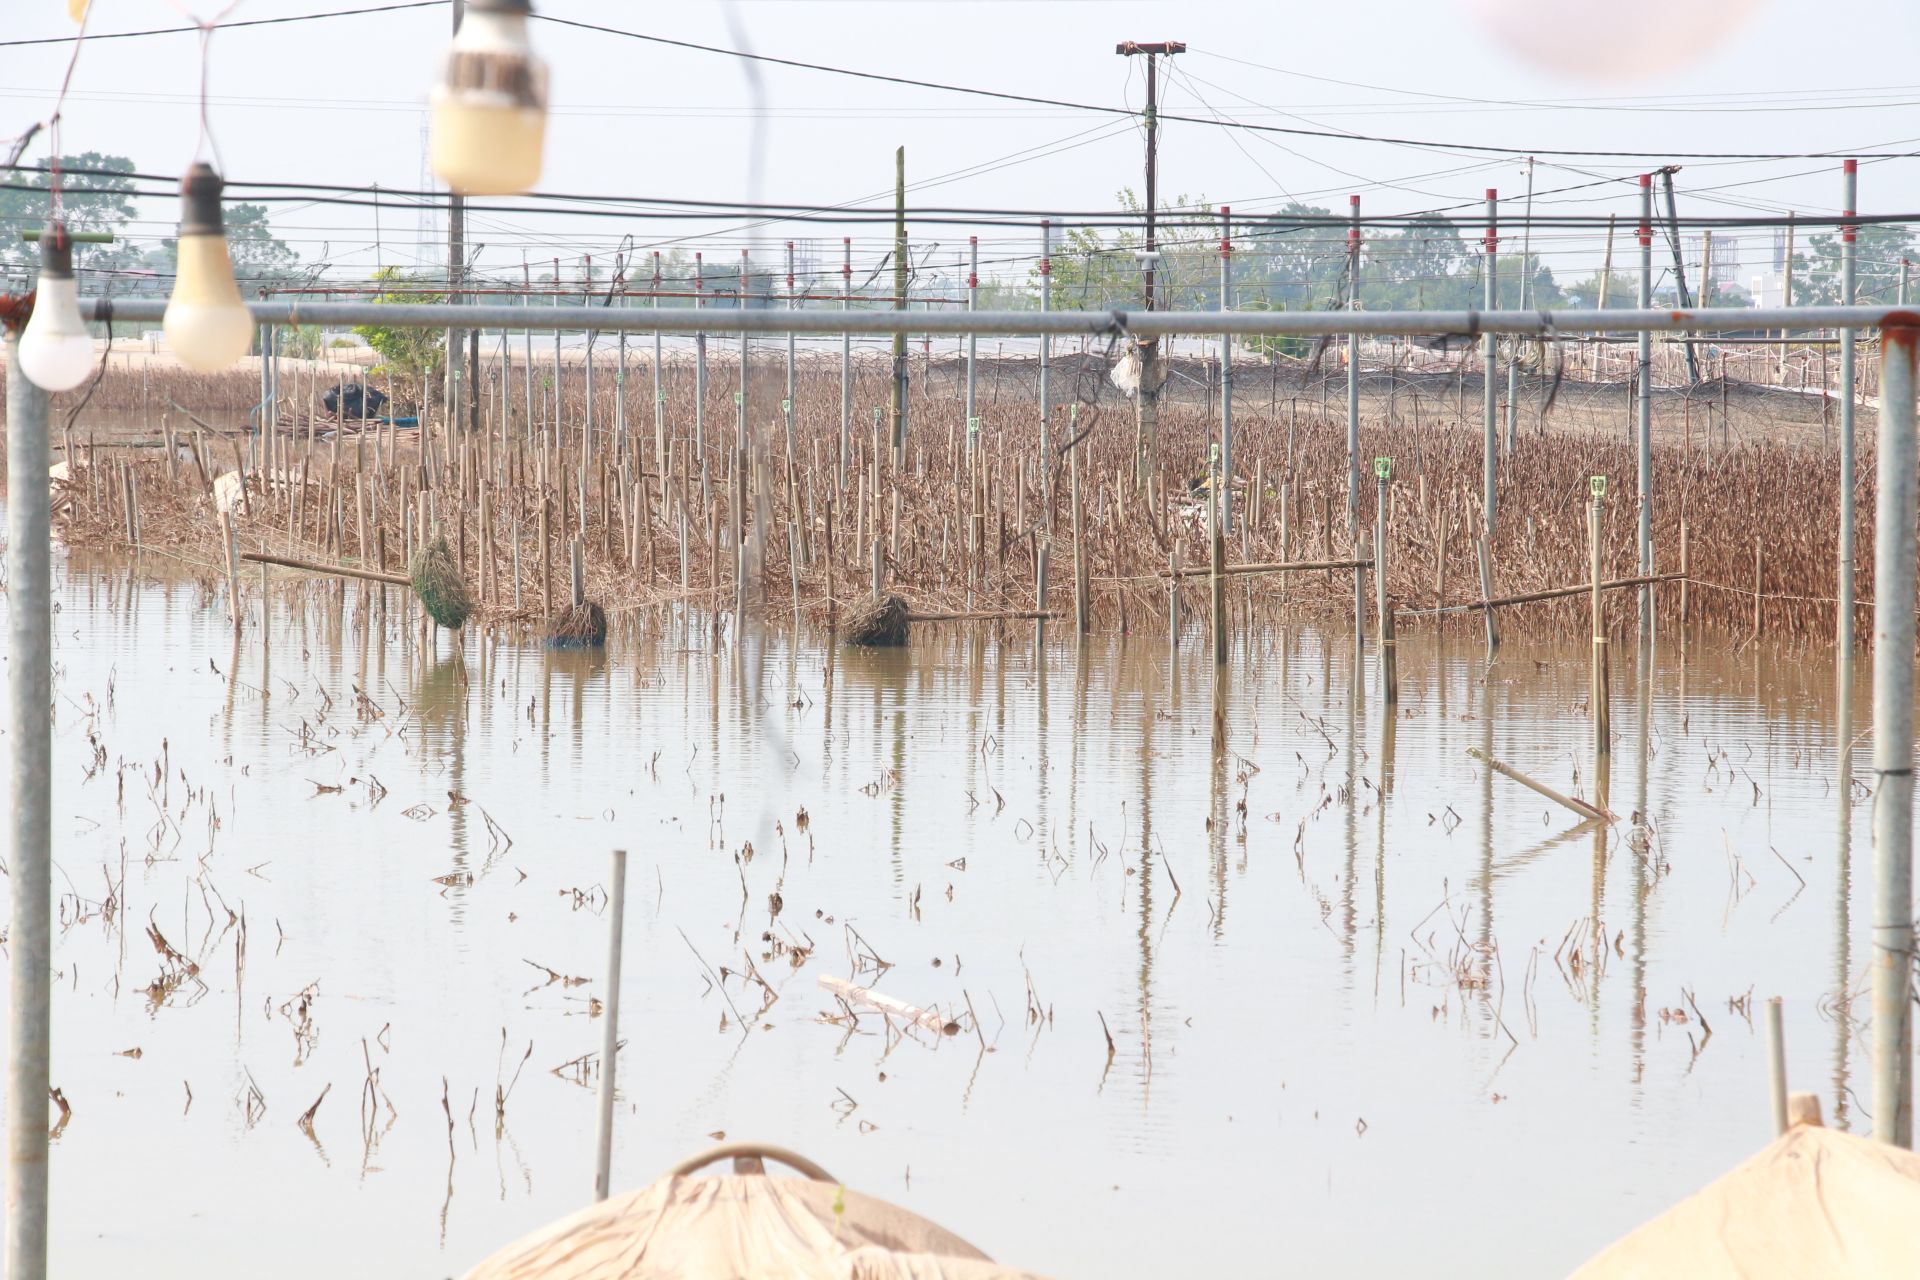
column 408, row 351
column 1622, row 291
column 89, row 202
column 1091, row 271
column 1877, row 257
column 259, row 257
column 1541, row 288
column 1423, row 265
column 1274, row 344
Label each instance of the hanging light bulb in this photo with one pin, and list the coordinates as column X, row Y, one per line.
column 56, row 351
column 207, row 324
column 490, row 107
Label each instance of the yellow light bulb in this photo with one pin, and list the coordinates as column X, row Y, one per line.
column 207, row 324
column 489, row 116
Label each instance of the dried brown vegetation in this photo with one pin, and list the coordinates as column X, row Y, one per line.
column 1756, row 486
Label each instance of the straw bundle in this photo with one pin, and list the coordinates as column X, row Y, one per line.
column 436, row 580
column 877, row 621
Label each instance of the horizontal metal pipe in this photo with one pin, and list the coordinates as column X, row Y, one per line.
column 1134, row 323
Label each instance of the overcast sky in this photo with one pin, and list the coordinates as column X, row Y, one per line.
column 340, row 101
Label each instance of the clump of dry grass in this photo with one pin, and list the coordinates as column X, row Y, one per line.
column 580, row 626
column 438, row 584
column 876, row 622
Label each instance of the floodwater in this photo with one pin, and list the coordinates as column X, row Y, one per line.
column 1372, row 1009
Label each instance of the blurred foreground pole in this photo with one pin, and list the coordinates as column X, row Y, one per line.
column 1893, row 625
column 29, row 773
column 610, row 1022
column 1843, row 584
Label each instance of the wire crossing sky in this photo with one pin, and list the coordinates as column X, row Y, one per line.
column 678, row 128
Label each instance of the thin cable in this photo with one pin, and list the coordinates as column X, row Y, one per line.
column 674, row 207
column 1343, row 136
column 53, row 122
column 232, row 26
column 206, row 27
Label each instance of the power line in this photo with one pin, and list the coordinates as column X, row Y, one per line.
column 1339, row 136
column 226, row 26
column 663, row 207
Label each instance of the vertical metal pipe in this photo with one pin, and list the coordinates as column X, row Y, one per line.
column 973, row 342
column 1776, row 1066
column 526, row 284
column 700, row 385
column 258, row 445
column 902, row 284
column 1893, row 626
column 456, row 268
column 1353, row 371
column 29, row 852
column 1046, row 347
column 620, row 378
column 740, row 400
column 741, row 463
column 610, row 1023
column 1226, row 372
column 1489, row 408
column 555, row 425
column 659, row 389
column 1843, row 581
column 586, row 435
column 846, row 362
column 787, row 408
column 1644, row 407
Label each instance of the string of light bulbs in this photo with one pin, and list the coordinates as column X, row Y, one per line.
column 487, row 128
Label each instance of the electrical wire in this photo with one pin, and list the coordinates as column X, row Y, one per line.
column 662, row 207
column 1163, row 117
column 231, row 26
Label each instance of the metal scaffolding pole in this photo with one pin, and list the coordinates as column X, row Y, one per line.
column 1644, row 407
column 1490, row 395
column 1226, row 373
column 1843, row 581
column 29, row 851
column 973, row 342
column 1099, row 324
column 1353, row 373
column 1893, row 627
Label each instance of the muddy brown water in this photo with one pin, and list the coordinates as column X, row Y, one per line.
column 1371, row 1008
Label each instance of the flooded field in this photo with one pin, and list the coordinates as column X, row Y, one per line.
column 331, row 931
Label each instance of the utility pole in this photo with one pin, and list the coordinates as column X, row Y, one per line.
column 456, row 267
column 1679, row 268
column 899, row 304
column 1146, row 400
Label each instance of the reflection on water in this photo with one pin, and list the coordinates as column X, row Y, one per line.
column 1339, row 963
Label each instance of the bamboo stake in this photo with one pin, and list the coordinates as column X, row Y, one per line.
column 1581, row 807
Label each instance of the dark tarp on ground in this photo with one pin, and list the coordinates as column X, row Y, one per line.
column 345, row 400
